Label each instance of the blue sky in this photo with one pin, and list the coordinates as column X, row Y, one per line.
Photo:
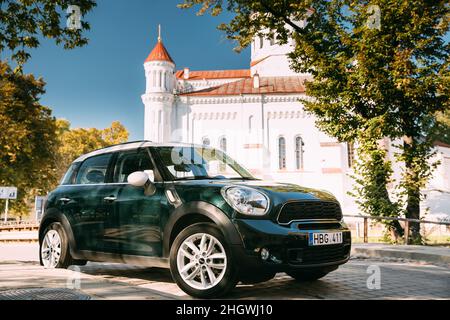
column 103, row 81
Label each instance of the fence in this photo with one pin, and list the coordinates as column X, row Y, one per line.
column 20, row 226
column 405, row 220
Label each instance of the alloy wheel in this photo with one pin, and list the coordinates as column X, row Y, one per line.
column 51, row 249
column 201, row 261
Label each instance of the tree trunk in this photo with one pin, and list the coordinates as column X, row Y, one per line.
column 394, row 226
column 413, row 192
column 413, row 212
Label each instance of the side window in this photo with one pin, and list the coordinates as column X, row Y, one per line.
column 68, row 177
column 93, row 170
column 129, row 162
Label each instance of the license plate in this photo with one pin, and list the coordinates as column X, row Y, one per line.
column 324, row 238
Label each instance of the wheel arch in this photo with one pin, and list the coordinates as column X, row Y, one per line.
column 194, row 212
column 55, row 216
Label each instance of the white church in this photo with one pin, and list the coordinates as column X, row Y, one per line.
column 255, row 116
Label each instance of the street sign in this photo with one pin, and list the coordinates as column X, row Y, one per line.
column 8, row 193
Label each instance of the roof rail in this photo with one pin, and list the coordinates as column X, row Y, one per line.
column 121, row 144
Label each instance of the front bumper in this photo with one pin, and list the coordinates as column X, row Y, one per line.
column 288, row 245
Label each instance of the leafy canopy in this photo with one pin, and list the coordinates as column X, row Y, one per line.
column 22, row 22
column 35, row 148
column 27, row 135
column 78, row 141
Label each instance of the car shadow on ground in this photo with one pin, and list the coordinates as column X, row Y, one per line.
column 112, row 270
column 281, row 287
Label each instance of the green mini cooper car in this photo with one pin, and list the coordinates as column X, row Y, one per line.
column 194, row 210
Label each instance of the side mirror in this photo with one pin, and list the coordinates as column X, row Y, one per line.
column 141, row 179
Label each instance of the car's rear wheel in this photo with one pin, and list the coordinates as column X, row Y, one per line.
column 307, row 275
column 201, row 262
column 54, row 248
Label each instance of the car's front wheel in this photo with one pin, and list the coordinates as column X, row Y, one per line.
column 201, row 262
column 54, row 248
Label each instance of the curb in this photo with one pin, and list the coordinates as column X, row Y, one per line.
column 401, row 254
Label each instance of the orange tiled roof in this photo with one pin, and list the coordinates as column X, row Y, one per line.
column 441, row 144
column 159, row 53
column 214, row 74
column 268, row 85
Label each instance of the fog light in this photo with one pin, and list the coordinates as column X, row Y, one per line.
column 265, row 254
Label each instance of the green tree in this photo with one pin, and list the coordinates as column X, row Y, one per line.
column 442, row 126
column 380, row 70
column 27, row 137
column 23, row 21
column 73, row 143
column 35, row 148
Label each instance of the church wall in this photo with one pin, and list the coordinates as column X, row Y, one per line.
column 252, row 130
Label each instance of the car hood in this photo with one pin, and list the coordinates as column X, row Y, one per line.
column 277, row 192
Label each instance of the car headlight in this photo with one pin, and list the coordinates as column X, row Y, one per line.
column 246, row 200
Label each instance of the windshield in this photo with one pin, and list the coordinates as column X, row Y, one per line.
column 195, row 163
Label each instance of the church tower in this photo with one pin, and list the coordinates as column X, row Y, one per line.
column 158, row 98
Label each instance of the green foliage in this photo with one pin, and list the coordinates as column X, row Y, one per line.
column 35, row 148
column 27, row 137
column 369, row 82
column 23, row 21
column 442, row 126
column 76, row 142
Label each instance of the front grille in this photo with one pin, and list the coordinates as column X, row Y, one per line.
column 319, row 254
column 318, row 226
column 292, row 211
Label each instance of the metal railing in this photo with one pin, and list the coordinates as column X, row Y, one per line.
column 406, row 228
column 18, row 225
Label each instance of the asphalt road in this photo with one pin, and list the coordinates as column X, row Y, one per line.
column 358, row 279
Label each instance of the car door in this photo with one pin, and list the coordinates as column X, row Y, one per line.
column 88, row 202
column 137, row 216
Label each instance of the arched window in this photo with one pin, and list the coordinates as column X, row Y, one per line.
column 281, row 153
column 272, row 40
column 168, row 80
column 154, row 78
column 350, row 154
column 159, row 79
column 261, row 42
column 223, row 147
column 223, row 144
column 163, row 81
column 206, row 141
column 299, row 150
column 250, row 124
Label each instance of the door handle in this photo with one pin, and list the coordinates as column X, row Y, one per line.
column 64, row 200
column 110, row 199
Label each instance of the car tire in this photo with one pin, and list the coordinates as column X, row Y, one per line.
column 54, row 251
column 201, row 262
column 257, row 277
column 307, row 275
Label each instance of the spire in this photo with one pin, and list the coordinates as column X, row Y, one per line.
column 159, row 52
column 159, row 33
